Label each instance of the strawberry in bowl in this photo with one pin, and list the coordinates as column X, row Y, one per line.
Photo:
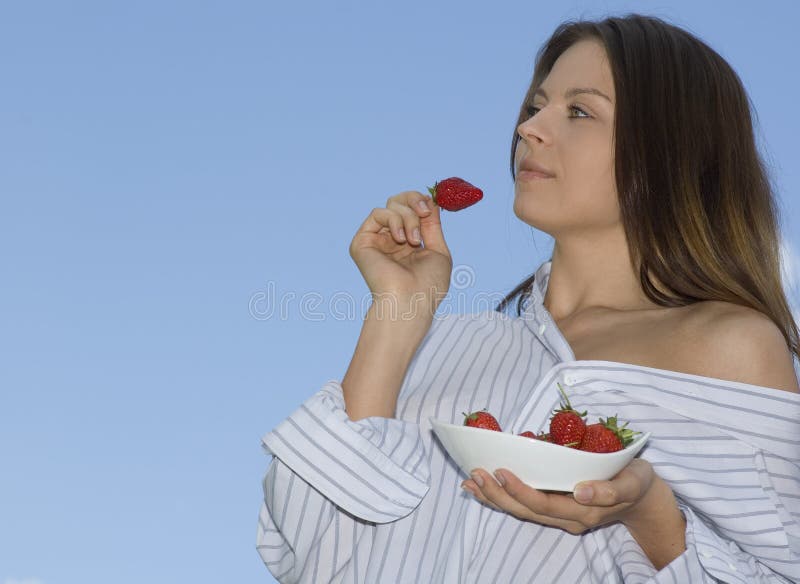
column 603, row 449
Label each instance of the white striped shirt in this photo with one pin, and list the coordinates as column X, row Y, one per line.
column 378, row 500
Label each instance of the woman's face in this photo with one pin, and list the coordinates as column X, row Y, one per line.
column 571, row 137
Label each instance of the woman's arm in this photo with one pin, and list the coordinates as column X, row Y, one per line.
column 381, row 359
column 658, row 525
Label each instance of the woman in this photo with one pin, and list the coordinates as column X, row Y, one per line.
column 661, row 304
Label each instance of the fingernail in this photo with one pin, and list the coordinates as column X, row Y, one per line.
column 584, row 494
column 416, row 234
column 500, row 478
column 402, row 234
column 477, row 478
column 423, row 205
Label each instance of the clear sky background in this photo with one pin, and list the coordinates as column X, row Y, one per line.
column 172, row 171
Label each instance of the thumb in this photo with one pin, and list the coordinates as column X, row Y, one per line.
column 628, row 486
column 431, row 229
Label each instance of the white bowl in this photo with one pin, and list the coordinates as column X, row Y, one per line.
column 542, row 465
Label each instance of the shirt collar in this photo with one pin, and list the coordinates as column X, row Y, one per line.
column 539, row 320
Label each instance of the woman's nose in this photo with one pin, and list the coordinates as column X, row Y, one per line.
column 532, row 131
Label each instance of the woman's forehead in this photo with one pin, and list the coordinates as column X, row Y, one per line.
column 583, row 65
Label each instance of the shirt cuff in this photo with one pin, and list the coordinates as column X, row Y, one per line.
column 374, row 468
column 722, row 558
column 692, row 565
column 705, row 559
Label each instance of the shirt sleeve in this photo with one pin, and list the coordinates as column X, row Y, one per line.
column 708, row 558
column 374, row 468
column 331, row 479
column 302, row 537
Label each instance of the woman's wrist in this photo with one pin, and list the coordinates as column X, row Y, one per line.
column 385, row 349
column 657, row 524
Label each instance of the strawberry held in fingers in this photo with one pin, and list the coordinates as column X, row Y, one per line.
column 454, row 194
column 481, row 419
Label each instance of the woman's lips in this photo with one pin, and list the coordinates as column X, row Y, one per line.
column 531, row 175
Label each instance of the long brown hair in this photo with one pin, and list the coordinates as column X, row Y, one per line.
column 696, row 203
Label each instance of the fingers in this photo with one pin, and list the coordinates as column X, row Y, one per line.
column 410, row 217
column 431, row 228
column 429, row 222
column 473, row 490
column 490, row 493
column 401, row 217
column 628, row 486
column 522, row 501
column 609, row 501
column 410, row 213
column 381, row 219
column 498, row 495
column 423, row 204
column 536, row 502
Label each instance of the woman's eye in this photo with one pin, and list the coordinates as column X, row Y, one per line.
column 532, row 110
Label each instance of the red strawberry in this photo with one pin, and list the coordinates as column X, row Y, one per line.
column 606, row 436
column 481, row 419
column 454, row 194
column 567, row 425
column 539, row 436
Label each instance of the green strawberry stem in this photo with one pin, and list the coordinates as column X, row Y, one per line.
column 568, row 405
column 624, row 434
column 432, row 191
column 473, row 415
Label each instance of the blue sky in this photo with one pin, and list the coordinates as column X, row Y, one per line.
column 173, row 170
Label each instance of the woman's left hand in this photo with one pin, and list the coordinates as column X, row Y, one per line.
column 612, row 500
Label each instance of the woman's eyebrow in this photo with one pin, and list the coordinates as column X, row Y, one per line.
column 573, row 91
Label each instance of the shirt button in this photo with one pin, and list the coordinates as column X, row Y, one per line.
column 732, row 567
column 542, row 328
column 706, row 554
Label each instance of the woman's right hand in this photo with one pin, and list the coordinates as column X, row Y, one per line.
column 395, row 266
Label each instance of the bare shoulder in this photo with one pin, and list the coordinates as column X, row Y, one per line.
column 737, row 343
